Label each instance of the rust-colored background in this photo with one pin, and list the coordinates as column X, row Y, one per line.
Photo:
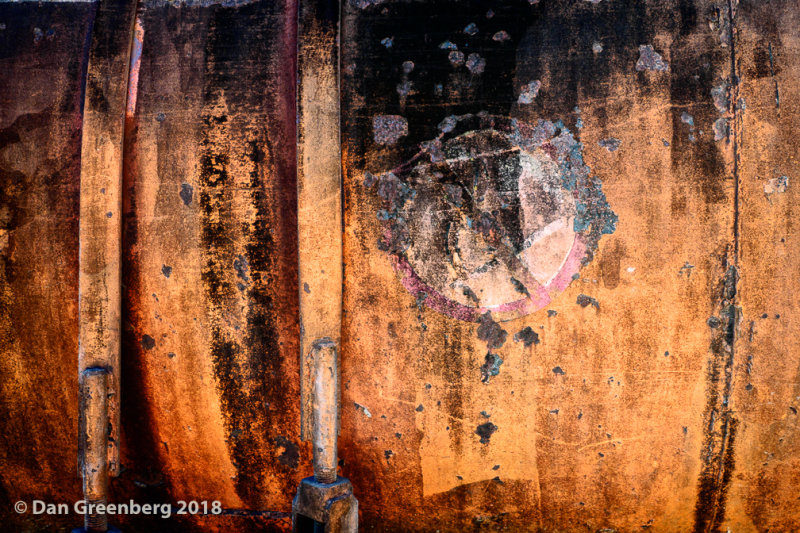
column 676, row 407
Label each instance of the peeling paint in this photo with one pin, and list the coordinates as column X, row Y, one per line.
column 529, row 92
column 491, row 332
column 649, row 59
column 456, row 58
column 527, row 337
column 404, row 88
column 720, row 96
column 471, row 29
column 388, row 129
column 485, row 432
column 363, row 410
column 585, row 301
column 148, row 342
column 776, row 185
column 475, row 63
column 186, row 193
column 490, row 367
column 720, row 129
column 611, row 144
column 533, row 202
column 719, row 22
column 501, row 36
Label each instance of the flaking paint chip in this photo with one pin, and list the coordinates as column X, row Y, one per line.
column 388, row 129
column 649, row 59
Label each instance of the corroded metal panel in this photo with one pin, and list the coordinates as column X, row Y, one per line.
column 210, row 327
column 569, row 258
column 765, row 396
column 42, row 60
column 539, row 223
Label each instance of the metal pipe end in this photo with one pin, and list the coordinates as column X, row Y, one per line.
column 326, row 476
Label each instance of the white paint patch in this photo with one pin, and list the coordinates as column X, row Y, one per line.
column 529, row 92
column 363, row 409
column 779, row 184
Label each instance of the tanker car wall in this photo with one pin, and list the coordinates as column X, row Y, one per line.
column 570, row 262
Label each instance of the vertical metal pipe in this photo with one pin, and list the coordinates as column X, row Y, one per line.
column 325, row 409
column 319, row 194
column 93, row 421
column 100, row 233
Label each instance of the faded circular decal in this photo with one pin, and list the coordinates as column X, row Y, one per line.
column 494, row 215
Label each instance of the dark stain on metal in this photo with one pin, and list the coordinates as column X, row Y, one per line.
column 485, row 431
column 290, row 454
column 148, row 343
column 490, row 367
column 527, row 336
column 720, row 424
column 39, row 198
column 248, row 365
column 186, row 193
column 491, row 332
column 611, row 144
column 585, row 301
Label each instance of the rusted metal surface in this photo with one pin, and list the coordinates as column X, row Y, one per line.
column 602, row 403
column 93, row 443
column 325, row 501
column 42, row 57
column 328, row 507
column 209, row 268
column 319, row 196
column 765, row 397
column 657, row 390
column 100, row 226
column 210, row 327
column 325, row 408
